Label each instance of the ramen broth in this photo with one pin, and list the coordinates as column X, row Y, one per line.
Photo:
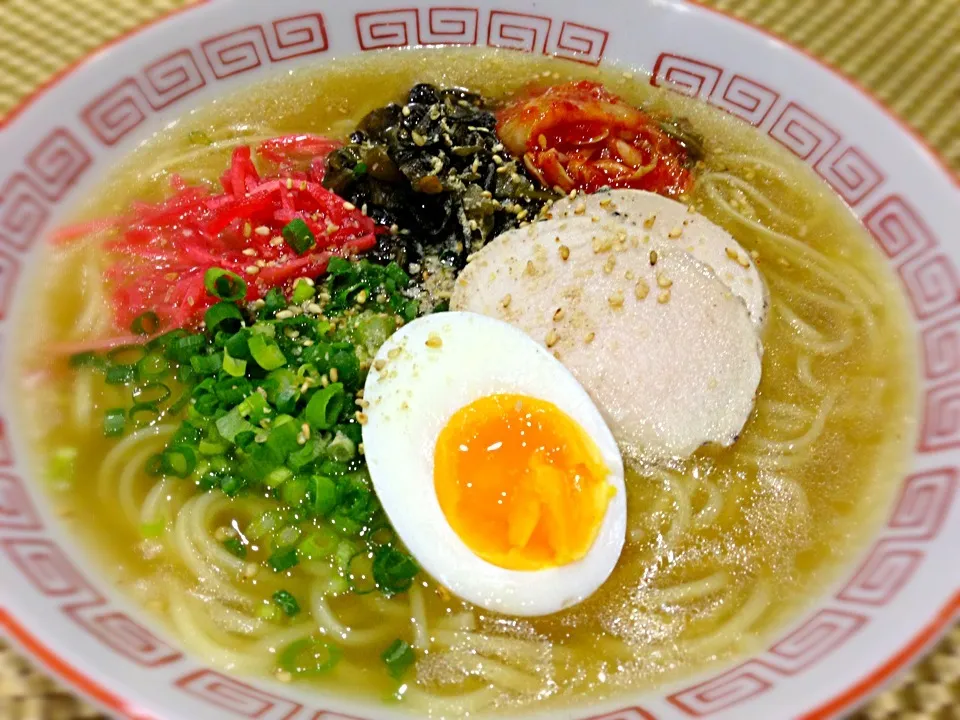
column 722, row 549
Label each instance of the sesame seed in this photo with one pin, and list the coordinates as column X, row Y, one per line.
column 361, row 417
column 334, row 374
column 247, row 230
column 653, row 257
column 331, row 228
column 284, row 676
column 675, row 233
column 405, row 111
column 558, row 315
column 616, row 300
column 530, row 268
column 418, row 139
column 542, row 140
column 361, row 449
column 505, row 302
column 606, row 203
column 663, row 281
column 589, row 338
column 641, row 290
column 497, row 160
column 251, row 269
column 755, row 255
column 249, row 252
column 250, row 569
column 379, row 364
column 628, row 275
column 663, row 297
column 552, row 338
column 289, row 183
column 276, row 242
column 262, row 230
column 580, row 209
column 305, row 429
column 610, row 264
column 649, row 221
column 564, row 252
column 602, row 244
column 434, row 341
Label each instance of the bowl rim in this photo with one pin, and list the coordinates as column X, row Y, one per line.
column 114, row 701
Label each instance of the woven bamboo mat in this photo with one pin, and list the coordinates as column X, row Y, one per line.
column 906, row 51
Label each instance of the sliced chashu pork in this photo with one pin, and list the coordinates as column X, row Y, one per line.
column 668, row 352
column 670, row 224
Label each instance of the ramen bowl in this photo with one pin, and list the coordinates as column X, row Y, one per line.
column 891, row 598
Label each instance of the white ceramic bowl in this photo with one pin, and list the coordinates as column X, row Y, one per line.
column 894, row 599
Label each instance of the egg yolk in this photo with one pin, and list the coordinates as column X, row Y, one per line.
column 521, row 482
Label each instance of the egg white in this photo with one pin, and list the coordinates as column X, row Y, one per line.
column 412, row 397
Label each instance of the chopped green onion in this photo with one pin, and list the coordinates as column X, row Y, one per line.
column 274, row 302
column 266, row 352
column 342, row 448
column 283, row 559
column 223, row 316
column 179, row 461
column 235, row 547
column 146, row 324
column 233, row 366
column 324, row 494
column 231, row 424
column 360, row 573
column 185, row 347
column 288, row 536
column 299, row 236
column 398, row 658
column 199, row 137
column 206, row 364
column 152, row 529
column 393, row 570
column 309, row 657
column 232, row 484
column 320, row 545
column 121, row 374
column 153, row 366
column 224, row 284
column 286, row 602
column 302, row 291
column 360, row 169
column 325, row 406
column 63, row 464
column 114, row 422
column 142, row 414
column 126, row 355
column 277, row 477
column 262, row 526
column 151, row 393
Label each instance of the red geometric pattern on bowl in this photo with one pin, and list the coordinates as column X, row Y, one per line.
column 253, row 46
column 634, row 713
column 57, row 162
column 940, row 427
column 579, row 42
column 16, row 509
column 941, row 347
column 931, row 284
column 47, row 172
column 238, row 697
column 815, row 639
column 51, row 573
column 898, row 229
column 451, row 26
column 403, row 27
column 924, row 501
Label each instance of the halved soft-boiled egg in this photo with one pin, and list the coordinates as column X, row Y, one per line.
column 493, row 464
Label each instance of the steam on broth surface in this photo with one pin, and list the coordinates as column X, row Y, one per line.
column 722, row 548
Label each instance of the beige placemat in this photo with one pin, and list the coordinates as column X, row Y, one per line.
column 906, row 51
